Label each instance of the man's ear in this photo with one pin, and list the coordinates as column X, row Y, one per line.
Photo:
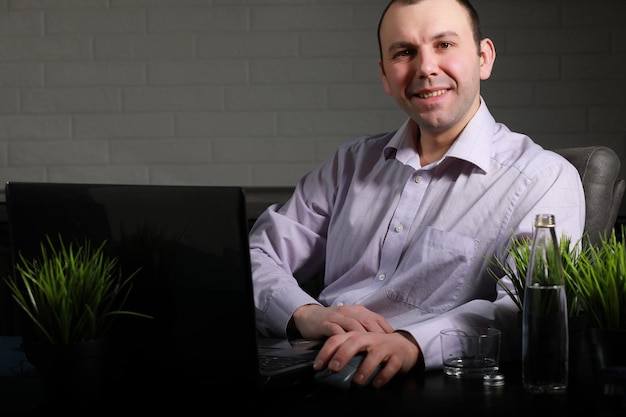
column 487, row 58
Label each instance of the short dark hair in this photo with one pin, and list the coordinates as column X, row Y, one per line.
column 473, row 14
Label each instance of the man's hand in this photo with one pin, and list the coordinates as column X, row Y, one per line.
column 317, row 322
column 397, row 352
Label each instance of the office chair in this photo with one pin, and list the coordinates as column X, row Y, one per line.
column 599, row 167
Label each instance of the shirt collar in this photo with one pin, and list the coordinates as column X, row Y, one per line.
column 474, row 144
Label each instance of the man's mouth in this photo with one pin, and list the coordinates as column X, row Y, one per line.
column 432, row 94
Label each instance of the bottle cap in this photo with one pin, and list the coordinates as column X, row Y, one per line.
column 545, row 220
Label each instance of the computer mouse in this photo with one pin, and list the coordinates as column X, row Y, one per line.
column 342, row 379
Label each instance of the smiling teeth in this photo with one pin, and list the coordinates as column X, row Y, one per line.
column 432, row 94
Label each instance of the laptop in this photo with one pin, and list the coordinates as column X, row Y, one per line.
column 190, row 245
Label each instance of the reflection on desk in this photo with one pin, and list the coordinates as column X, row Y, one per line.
column 434, row 392
column 412, row 394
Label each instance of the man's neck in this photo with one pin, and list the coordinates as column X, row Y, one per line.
column 432, row 148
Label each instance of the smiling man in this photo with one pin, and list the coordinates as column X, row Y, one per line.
column 432, row 62
column 404, row 223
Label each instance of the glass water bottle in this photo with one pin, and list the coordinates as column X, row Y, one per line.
column 544, row 324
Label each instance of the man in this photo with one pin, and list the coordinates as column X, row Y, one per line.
column 404, row 223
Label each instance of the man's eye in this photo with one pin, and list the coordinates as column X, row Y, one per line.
column 404, row 53
column 444, row 45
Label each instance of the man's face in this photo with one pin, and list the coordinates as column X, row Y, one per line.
column 431, row 64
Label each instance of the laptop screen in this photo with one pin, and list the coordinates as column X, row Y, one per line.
column 190, row 244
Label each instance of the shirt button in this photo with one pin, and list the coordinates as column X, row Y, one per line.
column 418, row 179
column 399, row 228
column 339, row 304
column 382, row 277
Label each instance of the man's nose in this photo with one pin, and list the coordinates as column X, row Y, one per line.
column 426, row 64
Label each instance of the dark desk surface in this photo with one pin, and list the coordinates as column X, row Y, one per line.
column 437, row 393
column 412, row 394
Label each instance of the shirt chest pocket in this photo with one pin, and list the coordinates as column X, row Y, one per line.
column 433, row 275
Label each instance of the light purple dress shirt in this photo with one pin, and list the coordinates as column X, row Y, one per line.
column 410, row 242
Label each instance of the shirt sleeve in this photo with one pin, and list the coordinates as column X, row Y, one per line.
column 287, row 248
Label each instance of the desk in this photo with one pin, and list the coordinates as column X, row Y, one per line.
column 407, row 395
column 436, row 394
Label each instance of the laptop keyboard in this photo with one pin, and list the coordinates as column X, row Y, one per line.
column 272, row 363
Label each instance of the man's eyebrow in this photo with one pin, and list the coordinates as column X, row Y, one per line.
column 445, row 34
column 405, row 44
column 400, row 45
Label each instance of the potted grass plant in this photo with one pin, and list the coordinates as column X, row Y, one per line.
column 599, row 281
column 70, row 295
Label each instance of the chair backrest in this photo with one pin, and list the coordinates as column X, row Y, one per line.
column 599, row 168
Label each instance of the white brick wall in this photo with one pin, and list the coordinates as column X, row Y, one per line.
column 256, row 92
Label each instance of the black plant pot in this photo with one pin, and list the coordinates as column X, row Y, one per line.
column 606, row 350
column 576, row 328
column 72, row 375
